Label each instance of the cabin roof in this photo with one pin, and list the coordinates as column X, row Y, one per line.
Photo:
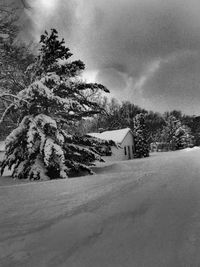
column 2, row 146
column 116, row 135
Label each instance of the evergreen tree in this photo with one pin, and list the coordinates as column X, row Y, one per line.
column 183, row 137
column 140, row 137
column 168, row 131
column 40, row 147
column 176, row 134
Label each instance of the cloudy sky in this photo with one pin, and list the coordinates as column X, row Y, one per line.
column 144, row 51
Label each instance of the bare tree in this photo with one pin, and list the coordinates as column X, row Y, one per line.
column 14, row 59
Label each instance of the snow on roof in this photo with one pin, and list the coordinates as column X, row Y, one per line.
column 2, row 146
column 116, row 135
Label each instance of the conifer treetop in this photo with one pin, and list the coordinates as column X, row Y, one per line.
column 55, row 86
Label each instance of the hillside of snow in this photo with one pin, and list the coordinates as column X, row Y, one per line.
column 142, row 212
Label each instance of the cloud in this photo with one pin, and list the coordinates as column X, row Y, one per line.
column 140, row 48
column 176, row 84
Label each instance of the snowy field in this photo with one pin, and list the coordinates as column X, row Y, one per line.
column 143, row 212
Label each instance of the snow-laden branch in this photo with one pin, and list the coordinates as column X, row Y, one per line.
column 12, row 105
column 6, row 112
column 14, row 96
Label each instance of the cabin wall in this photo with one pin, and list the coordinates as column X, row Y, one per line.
column 118, row 154
column 128, row 142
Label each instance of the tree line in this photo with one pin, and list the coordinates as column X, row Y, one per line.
column 173, row 129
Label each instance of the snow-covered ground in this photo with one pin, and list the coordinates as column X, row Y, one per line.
column 192, row 149
column 143, row 212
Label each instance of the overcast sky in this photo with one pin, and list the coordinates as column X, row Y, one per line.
column 144, row 51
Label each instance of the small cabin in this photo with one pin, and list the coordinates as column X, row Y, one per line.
column 125, row 141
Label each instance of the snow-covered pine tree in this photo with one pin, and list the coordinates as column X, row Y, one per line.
column 39, row 148
column 176, row 134
column 140, row 137
column 183, row 137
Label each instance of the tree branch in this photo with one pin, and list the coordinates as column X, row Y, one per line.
column 14, row 96
column 6, row 112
